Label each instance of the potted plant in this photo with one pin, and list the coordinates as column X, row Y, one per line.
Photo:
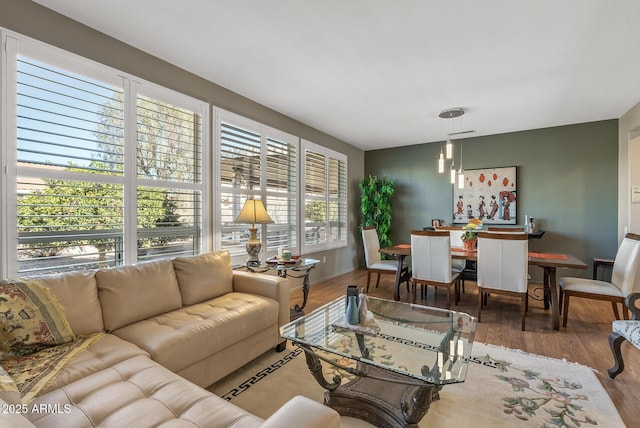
column 470, row 235
column 375, row 206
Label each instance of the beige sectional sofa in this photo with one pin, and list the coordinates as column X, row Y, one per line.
column 160, row 332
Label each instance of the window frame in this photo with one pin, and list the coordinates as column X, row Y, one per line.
column 266, row 133
column 328, row 243
column 17, row 45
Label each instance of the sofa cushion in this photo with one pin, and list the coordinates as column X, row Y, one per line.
column 32, row 373
column 78, row 294
column 8, row 389
column 180, row 338
column 30, row 319
column 137, row 392
column 204, row 277
column 103, row 353
column 132, row 293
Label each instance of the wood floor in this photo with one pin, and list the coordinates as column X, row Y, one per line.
column 584, row 340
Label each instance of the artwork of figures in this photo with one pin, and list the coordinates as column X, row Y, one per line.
column 488, row 195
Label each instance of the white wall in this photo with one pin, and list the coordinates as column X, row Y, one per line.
column 628, row 171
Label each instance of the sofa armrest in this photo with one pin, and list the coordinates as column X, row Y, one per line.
column 302, row 411
column 11, row 416
column 270, row 286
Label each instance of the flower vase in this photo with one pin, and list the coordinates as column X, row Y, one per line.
column 352, row 314
column 470, row 244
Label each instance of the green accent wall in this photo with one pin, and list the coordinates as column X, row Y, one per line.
column 567, row 180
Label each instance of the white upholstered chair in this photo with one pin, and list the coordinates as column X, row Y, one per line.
column 431, row 256
column 373, row 260
column 503, row 267
column 622, row 330
column 458, row 265
column 625, row 279
column 497, row 229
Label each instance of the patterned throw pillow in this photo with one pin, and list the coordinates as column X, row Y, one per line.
column 30, row 319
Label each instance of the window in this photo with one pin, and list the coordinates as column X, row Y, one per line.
column 325, row 198
column 169, row 179
column 256, row 161
column 103, row 169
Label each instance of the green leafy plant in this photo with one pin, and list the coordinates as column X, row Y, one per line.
column 375, row 206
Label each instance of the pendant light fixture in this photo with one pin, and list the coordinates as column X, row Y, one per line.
column 460, row 171
column 449, row 113
column 453, row 173
column 441, row 161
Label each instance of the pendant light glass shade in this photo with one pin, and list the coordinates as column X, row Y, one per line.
column 453, row 175
column 449, row 148
column 460, row 171
column 441, row 163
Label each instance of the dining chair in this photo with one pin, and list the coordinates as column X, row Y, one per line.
column 374, row 262
column 624, row 280
column 503, row 268
column 622, row 330
column 466, row 268
column 431, row 256
column 497, row 229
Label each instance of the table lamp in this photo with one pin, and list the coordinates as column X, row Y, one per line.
column 253, row 212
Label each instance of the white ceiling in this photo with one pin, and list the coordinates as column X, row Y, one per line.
column 376, row 73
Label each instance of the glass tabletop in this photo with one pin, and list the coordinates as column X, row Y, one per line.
column 421, row 342
column 273, row 264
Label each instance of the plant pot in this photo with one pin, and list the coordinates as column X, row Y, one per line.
column 470, row 245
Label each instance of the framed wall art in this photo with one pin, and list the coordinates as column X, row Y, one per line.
column 490, row 195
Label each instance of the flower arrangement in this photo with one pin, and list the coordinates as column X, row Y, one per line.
column 471, row 229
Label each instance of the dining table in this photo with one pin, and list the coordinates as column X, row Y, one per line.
column 548, row 261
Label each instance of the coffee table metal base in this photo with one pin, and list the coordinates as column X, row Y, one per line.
column 378, row 396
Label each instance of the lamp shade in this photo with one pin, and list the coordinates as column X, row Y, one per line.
column 253, row 212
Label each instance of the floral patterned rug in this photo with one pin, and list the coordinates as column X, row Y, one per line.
column 503, row 387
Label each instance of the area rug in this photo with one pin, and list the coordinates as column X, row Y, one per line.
column 503, row 387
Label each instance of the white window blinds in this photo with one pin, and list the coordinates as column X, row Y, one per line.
column 257, row 162
column 91, row 188
column 69, row 187
column 169, row 171
column 325, row 198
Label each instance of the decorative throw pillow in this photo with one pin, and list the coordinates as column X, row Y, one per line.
column 30, row 319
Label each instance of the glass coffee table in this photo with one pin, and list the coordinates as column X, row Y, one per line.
column 397, row 361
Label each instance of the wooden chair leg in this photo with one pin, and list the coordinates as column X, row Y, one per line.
column 413, row 289
column 479, row 303
column 378, row 280
column 615, row 340
column 565, row 310
column 523, row 309
column 560, row 300
column 368, row 279
column 614, row 305
column 449, row 297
